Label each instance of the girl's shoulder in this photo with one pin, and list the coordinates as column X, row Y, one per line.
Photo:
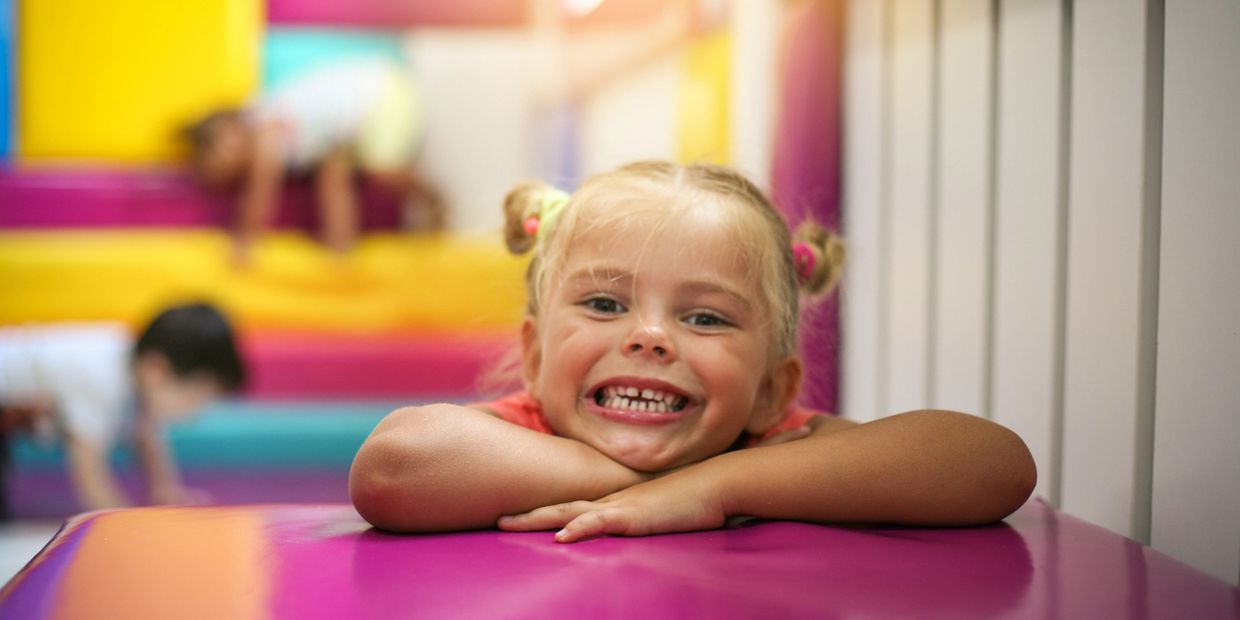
column 518, row 408
column 796, row 417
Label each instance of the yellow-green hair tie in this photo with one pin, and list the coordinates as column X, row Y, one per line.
column 548, row 212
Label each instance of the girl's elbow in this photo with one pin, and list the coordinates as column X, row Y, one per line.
column 374, row 486
column 384, row 471
column 1014, row 476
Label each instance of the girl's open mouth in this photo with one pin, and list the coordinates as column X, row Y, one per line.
column 632, row 398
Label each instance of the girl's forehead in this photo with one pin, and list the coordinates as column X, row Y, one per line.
column 706, row 240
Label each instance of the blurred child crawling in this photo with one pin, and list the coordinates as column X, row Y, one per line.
column 90, row 385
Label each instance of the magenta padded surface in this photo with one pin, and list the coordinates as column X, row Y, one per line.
column 372, row 367
column 151, row 198
column 397, row 13
column 805, row 173
column 323, row 561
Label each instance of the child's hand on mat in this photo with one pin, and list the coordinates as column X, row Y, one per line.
column 665, row 505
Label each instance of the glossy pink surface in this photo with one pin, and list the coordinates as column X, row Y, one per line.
column 292, row 365
column 101, row 197
column 324, row 562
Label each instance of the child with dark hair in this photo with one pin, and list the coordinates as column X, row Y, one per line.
column 90, row 384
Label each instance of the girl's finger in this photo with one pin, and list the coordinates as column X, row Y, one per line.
column 545, row 518
column 596, row 523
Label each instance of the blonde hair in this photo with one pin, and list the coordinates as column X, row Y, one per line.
column 610, row 199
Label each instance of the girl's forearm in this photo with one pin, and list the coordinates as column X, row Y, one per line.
column 919, row 468
column 445, row 467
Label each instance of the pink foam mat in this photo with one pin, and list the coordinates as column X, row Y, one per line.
column 473, row 13
column 323, row 561
column 81, row 197
column 370, row 366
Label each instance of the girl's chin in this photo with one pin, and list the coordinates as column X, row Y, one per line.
column 643, row 441
column 639, row 454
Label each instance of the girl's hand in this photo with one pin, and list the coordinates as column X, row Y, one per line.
column 676, row 503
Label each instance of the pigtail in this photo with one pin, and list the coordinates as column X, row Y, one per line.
column 522, row 203
column 818, row 255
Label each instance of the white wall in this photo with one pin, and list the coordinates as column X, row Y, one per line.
column 478, row 87
column 865, row 147
column 1043, row 201
column 633, row 117
column 907, row 197
column 1029, row 241
column 1196, row 505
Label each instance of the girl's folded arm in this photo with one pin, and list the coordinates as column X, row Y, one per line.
column 918, row 468
column 447, row 467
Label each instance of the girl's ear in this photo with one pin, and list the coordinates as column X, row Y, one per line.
column 778, row 388
column 531, row 354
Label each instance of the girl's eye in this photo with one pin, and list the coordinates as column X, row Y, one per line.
column 706, row 319
column 604, row 305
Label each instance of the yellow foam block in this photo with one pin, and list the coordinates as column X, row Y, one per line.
column 115, row 79
column 389, row 283
column 703, row 101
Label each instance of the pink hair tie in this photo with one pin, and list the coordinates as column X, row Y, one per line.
column 531, row 225
column 803, row 259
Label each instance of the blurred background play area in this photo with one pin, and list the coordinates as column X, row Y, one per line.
column 101, row 218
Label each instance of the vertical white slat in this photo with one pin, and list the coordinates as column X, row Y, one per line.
column 863, row 144
column 1105, row 212
column 963, row 212
column 907, row 281
column 755, row 46
column 1196, row 492
column 1026, row 359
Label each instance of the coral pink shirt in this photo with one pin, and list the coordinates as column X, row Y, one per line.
column 523, row 410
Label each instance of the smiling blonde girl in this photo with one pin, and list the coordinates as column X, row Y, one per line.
column 659, row 365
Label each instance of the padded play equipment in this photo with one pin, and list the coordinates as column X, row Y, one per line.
column 323, row 561
column 289, row 51
column 114, row 81
column 475, row 13
column 236, row 452
column 389, row 284
column 75, row 197
column 6, row 76
column 805, row 178
column 421, row 364
column 401, row 317
column 703, row 107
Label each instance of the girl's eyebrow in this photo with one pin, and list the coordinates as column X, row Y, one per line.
column 612, row 274
column 600, row 273
column 709, row 287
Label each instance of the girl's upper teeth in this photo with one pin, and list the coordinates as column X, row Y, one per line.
column 632, row 392
column 627, row 397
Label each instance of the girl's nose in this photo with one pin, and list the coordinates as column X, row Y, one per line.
column 652, row 341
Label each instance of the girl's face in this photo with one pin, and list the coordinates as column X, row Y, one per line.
column 654, row 343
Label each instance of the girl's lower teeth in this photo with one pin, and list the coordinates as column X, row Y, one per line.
column 636, row 404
